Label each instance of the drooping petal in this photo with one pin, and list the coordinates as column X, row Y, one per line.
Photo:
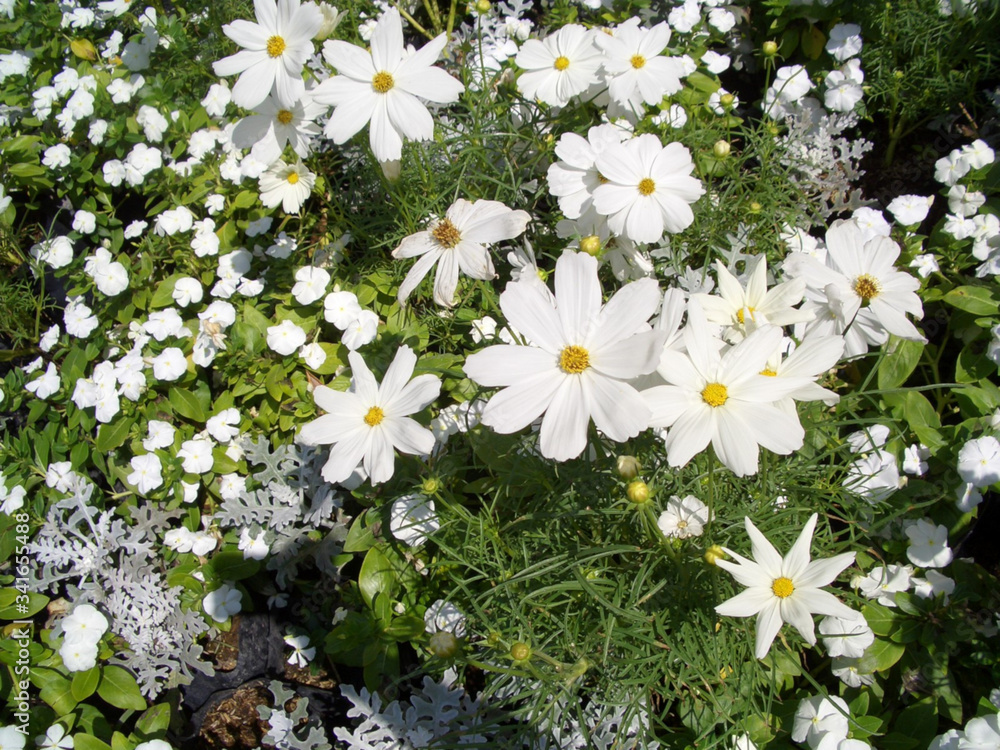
column 380, row 460
column 734, row 444
column 346, row 455
column 409, row 436
column 564, row 427
column 385, row 140
column 625, row 313
column 690, row 434
column 417, row 273
column 446, row 280
column 516, row 407
column 414, row 396
column 796, row 614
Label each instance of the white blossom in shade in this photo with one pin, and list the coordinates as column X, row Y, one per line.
column 908, row 210
column 928, row 544
column 848, row 671
column 275, row 50
column 382, row 88
column 964, row 202
column 366, row 423
column 684, row 18
column 981, row 733
column 285, row 338
column 563, row 65
column 868, row 439
column 721, row 19
column 915, row 459
column 159, row 434
column 951, row 168
column 967, row 497
column 635, row 68
column 276, row 125
column 842, row 93
column 56, row 252
column 170, row 364
column 874, row 477
column 260, row 226
column 742, row 742
column 11, row 500
column 341, row 309
column 165, row 323
column 187, row 291
column 846, row 636
column 581, row 354
column 715, row 62
column 413, row 519
column 443, row 616
column 110, row 276
column 871, row 222
column 649, row 188
column 55, row 738
column 226, row 600
column 932, row 585
column 147, row 473
column 174, row 221
column 225, row 425
column 217, row 99
column 60, row 476
column 683, row 518
column 674, row 116
column 253, row 547
column 84, row 222
column 360, row 331
column 822, row 722
column 153, row 124
column 287, row 184
column 57, row 157
column 883, row 583
column 978, row 154
column 721, row 106
column 205, row 241
column 925, row 264
column 46, row 385
column 979, row 461
column 313, row 355
column 844, row 41
column 310, row 284
column 785, row 589
column 135, row 229
column 302, row 652
column 574, row 177
column 723, row 399
column 78, row 319
column 458, row 244
column 196, row 455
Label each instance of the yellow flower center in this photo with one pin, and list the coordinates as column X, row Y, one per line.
column 782, row 587
column 574, row 359
column 561, row 63
column 383, row 81
column 740, row 315
column 292, row 178
column 602, row 179
column 646, row 186
column 445, row 234
column 275, row 46
column 374, row 416
column 715, row 394
column 867, row 287
column 284, row 116
column 682, row 524
column 769, row 372
column 638, row 61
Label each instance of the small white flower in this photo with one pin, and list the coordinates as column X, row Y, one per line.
column 78, row 657
column 310, row 284
column 146, row 473
column 928, row 544
column 341, row 309
column 285, row 338
column 57, row 157
column 55, row 738
column 846, row 636
column 187, row 291
column 46, row 385
column 559, row 67
column 253, row 547
column 910, row 209
column 225, row 425
column 444, row 616
column 413, row 519
column 362, row 330
column 170, row 364
column 197, row 455
column 844, row 41
column 846, row 670
column 684, row 517
column 925, row 264
column 313, row 355
column 979, row 461
column 933, row 584
column 232, row 486
column 302, row 652
column 915, row 459
column 287, row 184
column 883, row 583
column 978, row 154
column 223, row 603
column 84, row 222
column 874, row 477
column 56, row 252
column 868, row 439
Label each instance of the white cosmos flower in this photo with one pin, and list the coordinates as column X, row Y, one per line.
column 287, row 184
column 649, row 188
column 781, row 590
column 574, row 178
column 382, row 87
column 275, row 49
column 635, row 69
column 370, row 420
column 683, row 518
column 723, row 398
column 458, row 243
column 276, row 125
column 581, row 355
column 559, row 67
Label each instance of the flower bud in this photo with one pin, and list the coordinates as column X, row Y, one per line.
column 638, row 492
column 591, row 245
column 721, row 149
column 430, row 486
column 84, row 49
column 444, row 645
column 520, row 651
column 714, row 553
column 726, row 101
column 755, row 207
column 331, row 19
column 483, row 6
column 628, row 467
column 770, row 49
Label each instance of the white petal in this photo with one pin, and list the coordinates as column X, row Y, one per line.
column 564, row 426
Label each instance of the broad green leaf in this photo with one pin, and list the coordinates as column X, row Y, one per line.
column 884, row 654
column 83, row 741
column 58, row 693
column 230, row 565
column 187, row 404
column 113, row 434
column 11, row 608
column 377, row 575
column 154, row 720
column 360, row 537
column 405, row 628
column 85, row 683
column 978, row 300
column 119, row 688
column 813, row 42
column 900, row 360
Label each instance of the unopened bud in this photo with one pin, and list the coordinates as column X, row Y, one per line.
column 520, row 651
column 483, row 6
column 84, row 49
column 714, row 554
column 638, row 492
column 755, row 207
column 444, row 645
column 628, row 467
column 770, row 49
column 726, row 100
column 430, row 485
column 721, row 149
column 591, row 245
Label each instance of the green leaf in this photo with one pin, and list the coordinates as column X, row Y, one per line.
column 85, row 683
column 58, row 693
column 813, row 42
column 405, row 628
column 978, row 300
column 88, row 742
column 377, row 575
column 119, row 688
column 919, row 719
column 881, row 620
column 360, row 537
column 188, row 404
column 884, row 654
column 245, row 199
column 230, row 565
column 113, row 434
column 154, row 720
column 273, row 382
column 900, row 360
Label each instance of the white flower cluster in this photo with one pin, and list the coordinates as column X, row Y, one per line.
column 82, row 631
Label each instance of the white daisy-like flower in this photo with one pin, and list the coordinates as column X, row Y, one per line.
column 559, row 67
column 146, row 473
column 574, row 178
column 581, row 355
column 384, row 87
column 649, row 188
column 635, row 69
column 276, row 125
column 910, row 209
column 366, row 423
column 846, row 636
column 458, row 243
column 781, row 590
column 287, row 184
column 684, row 517
column 275, row 49
column 302, row 652
column 223, row 603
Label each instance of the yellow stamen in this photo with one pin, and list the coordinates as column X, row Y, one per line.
column 292, row 178
column 867, row 287
column 561, row 63
column 715, row 394
column 769, row 372
column 574, row 359
column 284, row 116
column 445, row 234
column 646, row 186
column 383, row 81
column 374, row 416
column 740, row 315
column 275, row 46
column 638, row 61
column 782, row 587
